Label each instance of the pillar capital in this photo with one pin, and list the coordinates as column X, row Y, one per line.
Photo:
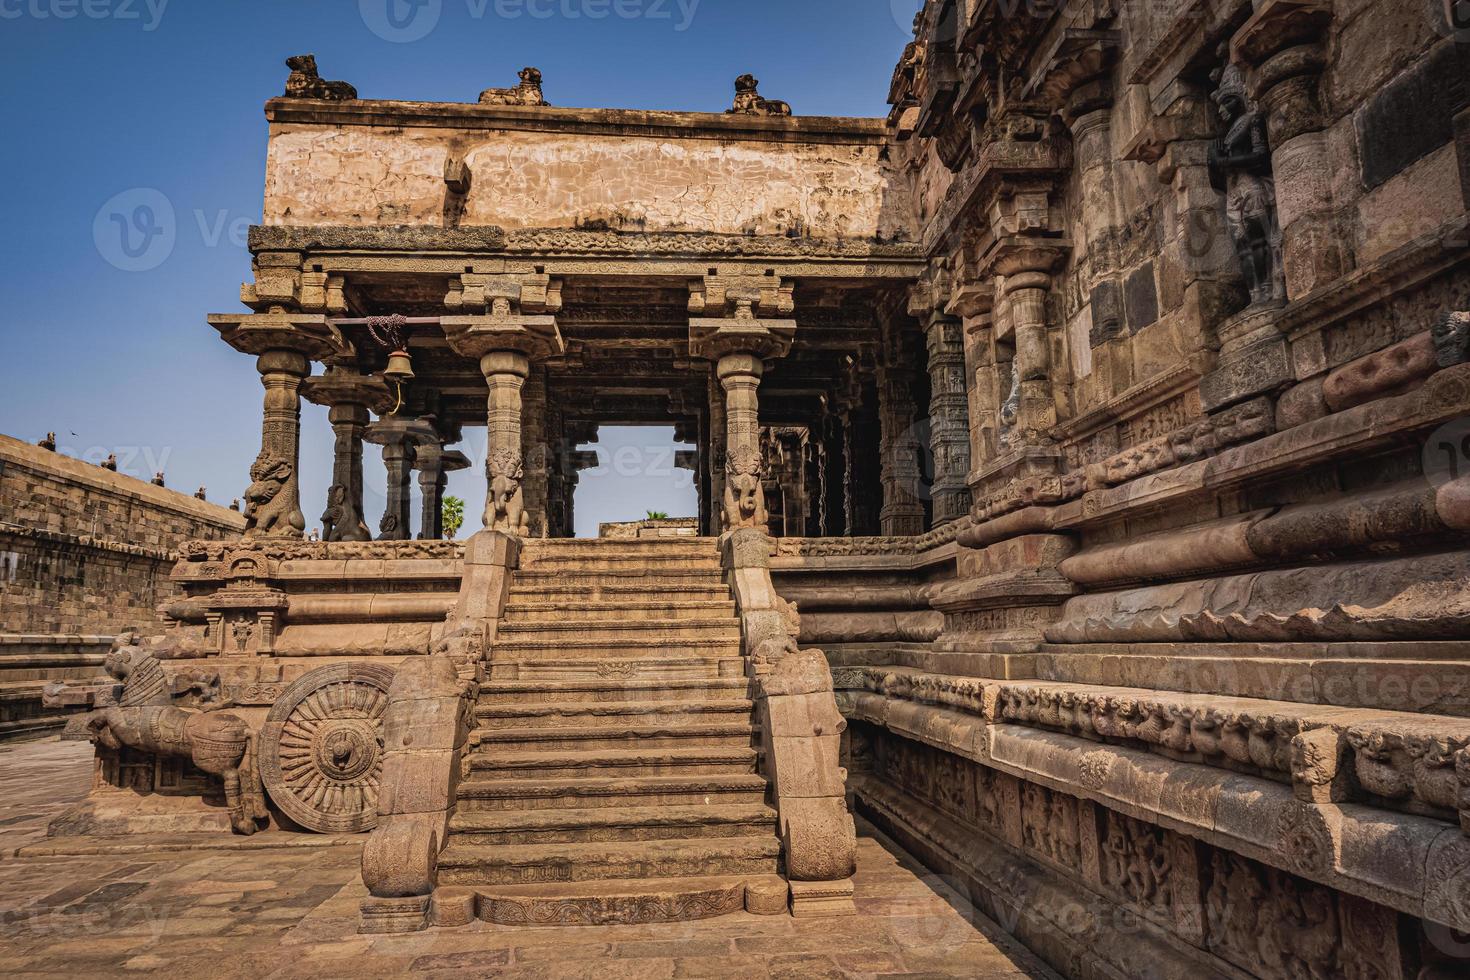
column 1026, row 260
column 1282, row 47
column 311, row 335
column 344, row 386
column 1078, row 59
column 717, row 338
column 534, row 337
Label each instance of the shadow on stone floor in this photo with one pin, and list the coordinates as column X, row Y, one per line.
column 292, row 912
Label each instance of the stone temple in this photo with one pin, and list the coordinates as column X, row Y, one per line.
column 1082, row 462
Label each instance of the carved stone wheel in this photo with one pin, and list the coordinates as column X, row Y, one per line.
column 321, row 748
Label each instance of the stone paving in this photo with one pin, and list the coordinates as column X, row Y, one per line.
column 227, row 908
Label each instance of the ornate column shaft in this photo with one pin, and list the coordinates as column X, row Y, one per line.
column 505, row 374
column 348, row 395
column 343, row 520
column 900, row 448
column 949, row 419
column 432, row 481
column 739, row 345
column 505, row 341
column 398, row 459
column 285, row 345
column 1282, row 44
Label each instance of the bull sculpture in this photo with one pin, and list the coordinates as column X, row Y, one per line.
column 146, row 719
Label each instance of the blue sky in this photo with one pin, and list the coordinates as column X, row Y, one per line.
column 122, row 101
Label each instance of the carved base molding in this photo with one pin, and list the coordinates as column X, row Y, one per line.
column 1336, row 845
column 1103, row 891
column 700, row 898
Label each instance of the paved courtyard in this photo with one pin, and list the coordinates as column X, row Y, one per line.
column 194, row 908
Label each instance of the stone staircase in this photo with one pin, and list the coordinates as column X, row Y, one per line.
column 613, row 772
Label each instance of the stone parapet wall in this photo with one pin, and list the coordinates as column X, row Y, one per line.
column 84, row 553
column 46, row 491
column 546, row 167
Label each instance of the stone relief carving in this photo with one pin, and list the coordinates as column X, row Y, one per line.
column 504, row 509
column 1240, row 166
column 528, row 92
column 748, row 101
column 1396, row 762
column 306, row 83
column 745, row 498
column 321, row 748
column 267, row 509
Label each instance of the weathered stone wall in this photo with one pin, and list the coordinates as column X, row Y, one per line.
column 88, row 550
column 84, row 552
column 575, row 168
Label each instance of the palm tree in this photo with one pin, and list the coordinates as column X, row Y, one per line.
column 657, row 515
column 453, row 516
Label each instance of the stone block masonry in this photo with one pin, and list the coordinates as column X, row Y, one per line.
column 84, row 552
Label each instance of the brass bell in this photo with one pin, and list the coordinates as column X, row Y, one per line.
column 400, row 367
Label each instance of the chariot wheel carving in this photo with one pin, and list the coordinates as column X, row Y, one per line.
column 321, row 748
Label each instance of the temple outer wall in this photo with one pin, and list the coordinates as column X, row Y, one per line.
column 84, row 552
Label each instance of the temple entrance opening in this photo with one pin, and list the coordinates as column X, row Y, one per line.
column 633, row 481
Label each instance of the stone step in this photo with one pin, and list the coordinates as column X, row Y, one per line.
column 491, row 714
column 611, row 692
column 614, row 565
column 620, row 670
column 597, row 647
column 643, row 575
column 522, row 610
column 610, row 902
column 616, row 590
column 651, row 732
column 648, row 630
column 540, row 547
column 612, row 824
column 611, row 763
column 477, row 793
column 479, row 864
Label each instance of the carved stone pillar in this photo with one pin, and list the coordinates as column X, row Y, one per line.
column 1283, row 46
column 434, row 464
column 400, row 439
column 1037, row 380
column 285, row 345
column 714, row 505
column 505, row 341
column 949, row 419
column 900, row 446
column 348, row 395
column 739, row 344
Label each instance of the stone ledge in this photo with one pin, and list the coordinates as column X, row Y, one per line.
column 95, row 479
column 81, row 542
column 1252, row 816
column 1395, row 755
column 841, row 130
